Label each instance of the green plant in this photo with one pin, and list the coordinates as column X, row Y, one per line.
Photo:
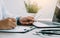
column 31, row 8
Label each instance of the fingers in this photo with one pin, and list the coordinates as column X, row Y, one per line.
column 5, row 27
column 27, row 20
column 24, row 23
column 30, row 18
column 31, row 22
column 10, row 23
column 12, row 19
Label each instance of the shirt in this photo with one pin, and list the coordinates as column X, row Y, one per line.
column 4, row 13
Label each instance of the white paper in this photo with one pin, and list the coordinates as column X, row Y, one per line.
column 18, row 29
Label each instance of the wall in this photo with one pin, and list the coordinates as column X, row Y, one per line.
column 46, row 12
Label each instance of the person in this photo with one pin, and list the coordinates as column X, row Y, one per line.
column 7, row 22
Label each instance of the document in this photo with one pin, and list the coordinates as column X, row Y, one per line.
column 19, row 29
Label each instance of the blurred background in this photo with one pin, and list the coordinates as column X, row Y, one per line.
column 46, row 11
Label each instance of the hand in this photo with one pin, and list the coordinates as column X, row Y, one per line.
column 26, row 20
column 8, row 23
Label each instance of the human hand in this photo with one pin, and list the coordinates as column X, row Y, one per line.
column 26, row 20
column 8, row 23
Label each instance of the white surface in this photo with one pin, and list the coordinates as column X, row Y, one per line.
column 27, row 35
column 30, row 34
column 46, row 24
column 39, row 24
column 19, row 29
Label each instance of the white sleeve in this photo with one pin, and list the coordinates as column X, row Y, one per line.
column 5, row 12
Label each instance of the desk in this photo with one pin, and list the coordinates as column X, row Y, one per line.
column 26, row 35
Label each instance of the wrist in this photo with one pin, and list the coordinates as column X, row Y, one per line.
column 18, row 21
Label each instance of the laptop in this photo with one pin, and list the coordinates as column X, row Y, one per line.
column 51, row 24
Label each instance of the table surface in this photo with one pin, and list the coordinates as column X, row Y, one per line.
column 31, row 34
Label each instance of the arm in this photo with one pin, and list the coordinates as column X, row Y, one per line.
column 5, row 12
column 6, row 23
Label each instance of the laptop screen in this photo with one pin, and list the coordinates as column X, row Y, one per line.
column 56, row 17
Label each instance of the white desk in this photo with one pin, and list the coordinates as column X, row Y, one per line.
column 26, row 35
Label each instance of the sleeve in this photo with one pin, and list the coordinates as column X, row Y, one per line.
column 18, row 23
column 5, row 12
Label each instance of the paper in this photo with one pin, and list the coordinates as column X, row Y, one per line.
column 19, row 29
